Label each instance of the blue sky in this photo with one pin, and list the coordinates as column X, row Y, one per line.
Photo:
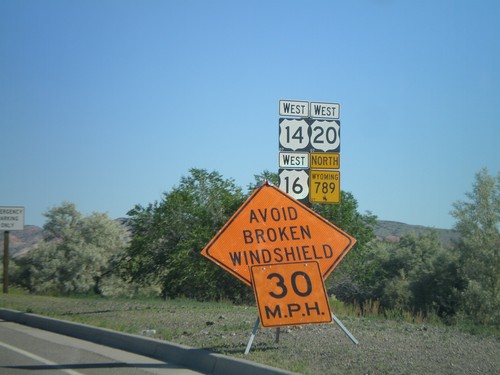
column 108, row 103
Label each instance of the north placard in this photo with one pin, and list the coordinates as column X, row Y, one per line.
column 324, row 160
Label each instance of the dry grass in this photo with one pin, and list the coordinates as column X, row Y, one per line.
column 386, row 346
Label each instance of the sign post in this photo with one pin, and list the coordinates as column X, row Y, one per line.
column 11, row 218
column 6, row 262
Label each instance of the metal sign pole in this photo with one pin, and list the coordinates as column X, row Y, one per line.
column 346, row 331
column 252, row 336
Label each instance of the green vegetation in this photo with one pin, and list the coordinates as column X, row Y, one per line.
column 168, row 236
column 417, row 275
column 478, row 221
column 77, row 255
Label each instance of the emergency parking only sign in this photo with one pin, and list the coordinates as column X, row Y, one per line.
column 11, row 218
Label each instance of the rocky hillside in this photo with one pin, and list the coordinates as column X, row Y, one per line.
column 21, row 242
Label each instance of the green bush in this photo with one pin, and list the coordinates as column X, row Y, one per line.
column 478, row 222
column 168, row 236
column 75, row 254
column 417, row 275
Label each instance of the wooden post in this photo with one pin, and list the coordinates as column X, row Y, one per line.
column 6, row 262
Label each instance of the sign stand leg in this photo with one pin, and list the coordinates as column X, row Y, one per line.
column 252, row 336
column 346, row 331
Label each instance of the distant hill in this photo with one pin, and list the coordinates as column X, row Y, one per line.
column 393, row 230
column 21, row 242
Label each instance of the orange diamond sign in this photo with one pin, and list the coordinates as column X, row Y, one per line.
column 271, row 227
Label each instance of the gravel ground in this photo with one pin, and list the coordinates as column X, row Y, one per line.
column 385, row 346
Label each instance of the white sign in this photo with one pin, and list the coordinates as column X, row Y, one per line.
column 294, row 182
column 294, row 134
column 294, row 108
column 308, row 128
column 11, row 218
column 294, row 160
column 309, row 135
column 325, row 110
column 325, row 135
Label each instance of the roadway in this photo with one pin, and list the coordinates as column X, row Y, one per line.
column 27, row 350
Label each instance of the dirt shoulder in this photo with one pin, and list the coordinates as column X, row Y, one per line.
column 385, row 346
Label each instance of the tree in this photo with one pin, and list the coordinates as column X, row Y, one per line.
column 265, row 175
column 62, row 221
column 350, row 278
column 75, row 254
column 416, row 274
column 478, row 222
column 168, row 236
